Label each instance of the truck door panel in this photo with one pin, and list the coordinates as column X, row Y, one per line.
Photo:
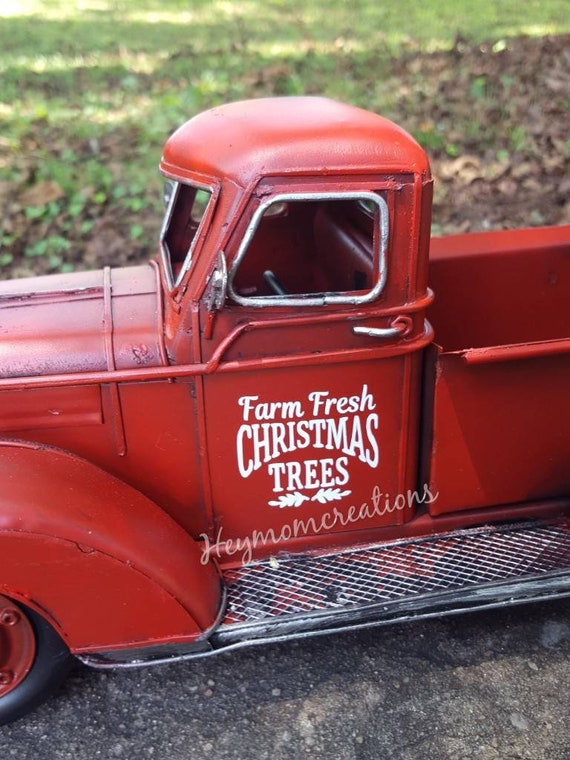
column 306, row 418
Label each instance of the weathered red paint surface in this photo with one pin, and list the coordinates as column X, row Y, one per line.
column 248, row 140
column 142, row 418
column 502, row 412
column 83, row 544
column 80, row 322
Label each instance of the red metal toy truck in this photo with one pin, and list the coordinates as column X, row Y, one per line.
column 276, row 428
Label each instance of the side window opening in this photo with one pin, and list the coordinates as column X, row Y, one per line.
column 185, row 209
column 313, row 249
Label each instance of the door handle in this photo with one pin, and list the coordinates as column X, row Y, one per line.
column 399, row 328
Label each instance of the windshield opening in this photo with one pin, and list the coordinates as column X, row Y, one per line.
column 186, row 207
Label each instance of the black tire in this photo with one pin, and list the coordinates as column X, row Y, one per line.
column 51, row 663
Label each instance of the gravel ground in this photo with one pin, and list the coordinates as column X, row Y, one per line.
column 482, row 686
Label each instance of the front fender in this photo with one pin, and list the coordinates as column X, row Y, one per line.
column 107, row 566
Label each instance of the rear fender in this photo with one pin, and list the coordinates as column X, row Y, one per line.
column 102, row 561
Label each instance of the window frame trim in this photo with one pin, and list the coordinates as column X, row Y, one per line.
column 324, row 299
column 173, row 285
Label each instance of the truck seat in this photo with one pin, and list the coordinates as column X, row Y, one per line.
column 344, row 252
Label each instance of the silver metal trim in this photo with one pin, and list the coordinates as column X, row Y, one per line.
column 217, row 285
column 380, row 332
column 311, row 299
column 167, row 264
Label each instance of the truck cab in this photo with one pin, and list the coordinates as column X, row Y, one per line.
column 319, row 277
column 295, row 419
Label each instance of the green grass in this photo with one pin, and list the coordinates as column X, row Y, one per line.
column 94, row 65
column 89, row 90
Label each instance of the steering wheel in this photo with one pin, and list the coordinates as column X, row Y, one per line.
column 274, row 283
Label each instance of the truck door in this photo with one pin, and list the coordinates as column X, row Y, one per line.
column 311, row 412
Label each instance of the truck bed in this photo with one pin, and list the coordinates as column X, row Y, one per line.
column 500, row 373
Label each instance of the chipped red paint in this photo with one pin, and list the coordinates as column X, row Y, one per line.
column 143, row 420
column 89, row 321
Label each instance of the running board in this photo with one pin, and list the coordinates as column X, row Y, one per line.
column 292, row 596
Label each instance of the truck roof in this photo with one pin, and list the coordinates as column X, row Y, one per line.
column 247, row 140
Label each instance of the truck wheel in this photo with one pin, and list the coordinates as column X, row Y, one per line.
column 33, row 660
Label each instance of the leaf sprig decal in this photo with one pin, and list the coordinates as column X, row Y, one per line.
column 289, row 500
column 324, row 495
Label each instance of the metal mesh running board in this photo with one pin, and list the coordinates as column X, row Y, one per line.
column 467, row 569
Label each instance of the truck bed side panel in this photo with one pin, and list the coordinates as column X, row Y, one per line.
column 501, row 431
column 501, row 419
column 500, row 288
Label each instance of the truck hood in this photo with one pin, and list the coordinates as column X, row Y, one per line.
column 81, row 322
